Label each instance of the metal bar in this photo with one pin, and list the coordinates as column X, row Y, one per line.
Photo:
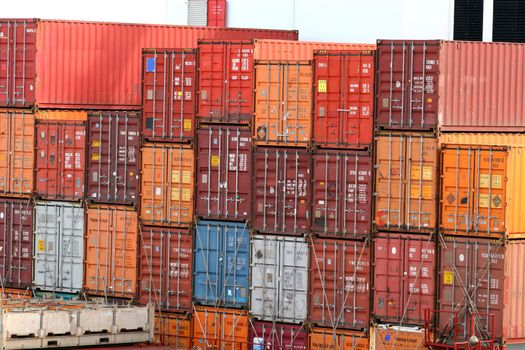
column 208, row 180
column 326, row 193
column 226, row 171
column 237, row 165
column 219, row 175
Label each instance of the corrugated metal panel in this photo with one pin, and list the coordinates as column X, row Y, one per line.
column 59, row 247
column 383, row 337
column 215, row 328
column 277, row 336
column 513, row 317
column 197, row 12
column 172, row 330
column 279, row 283
column 333, row 339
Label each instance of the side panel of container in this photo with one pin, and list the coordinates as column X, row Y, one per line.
column 394, row 338
column 404, row 277
column 283, row 103
column 224, row 172
column 513, row 317
column 217, row 13
column 169, row 95
column 344, row 99
column 340, row 284
column 114, row 157
column 277, row 336
column 165, row 268
column 279, row 281
column 328, row 339
column 59, row 247
column 221, row 264
column 220, row 329
column 281, row 191
column 173, row 331
column 342, row 194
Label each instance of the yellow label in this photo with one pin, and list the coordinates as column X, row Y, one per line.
column 96, row 143
column 428, row 173
column 95, row 156
column 187, row 125
column 484, row 180
column 483, row 200
column 186, row 177
column 175, row 194
column 321, row 86
column 448, row 277
column 427, row 192
column 497, row 181
column 41, row 245
column 215, row 160
column 414, row 191
column 186, row 194
column 175, row 176
column 415, row 173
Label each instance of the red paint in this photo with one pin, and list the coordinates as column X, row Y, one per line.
column 169, row 94
column 224, row 172
column 277, row 336
column 344, row 98
column 217, row 13
column 60, row 159
column 342, row 194
column 226, row 81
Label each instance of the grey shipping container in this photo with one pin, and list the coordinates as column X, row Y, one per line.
column 59, row 246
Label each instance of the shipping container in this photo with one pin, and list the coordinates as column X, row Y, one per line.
column 343, row 99
column 16, row 242
column 404, row 277
column 169, row 83
column 36, row 69
column 114, row 157
column 337, row 339
column 450, row 86
column 406, row 182
column 60, row 158
column 173, row 330
column 388, row 337
column 221, row 264
column 281, row 190
column 340, row 283
column 165, row 268
column 277, row 336
column 226, row 81
column 10, row 294
column 167, row 184
column 197, row 12
column 224, row 172
column 58, row 247
column 215, row 328
column 217, row 13
column 17, row 152
column 283, row 103
column 279, row 278
column 342, row 194
column 111, row 253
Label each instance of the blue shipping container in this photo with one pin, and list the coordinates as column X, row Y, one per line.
column 221, row 264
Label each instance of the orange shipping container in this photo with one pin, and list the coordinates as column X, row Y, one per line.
column 111, row 253
column 61, row 115
column 384, row 337
column 283, row 103
column 330, row 339
column 167, row 184
column 173, row 330
column 17, row 152
column 216, row 328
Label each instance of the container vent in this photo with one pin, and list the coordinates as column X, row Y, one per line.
column 197, row 12
column 509, row 21
column 468, row 20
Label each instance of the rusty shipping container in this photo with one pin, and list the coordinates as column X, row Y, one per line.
column 337, row 339
column 277, row 336
column 165, row 268
column 283, row 103
column 167, row 184
column 111, row 252
column 342, row 194
column 113, row 157
column 450, row 86
column 224, row 172
column 406, row 182
column 173, row 330
column 16, row 242
column 60, row 155
column 17, row 152
column 343, row 98
column 169, row 83
column 281, row 190
column 387, row 337
column 216, row 328
column 216, row 13
column 340, row 283
column 404, row 278
column 34, row 71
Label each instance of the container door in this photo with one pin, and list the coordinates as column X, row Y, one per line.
column 235, row 264
column 179, row 258
column 5, row 147
column 47, row 227
column 207, row 268
column 98, row 258
column 265, row 277
column 73, row 150
column 123, row 266
column 48, row 160
column 152, row 267
column 268, row 111
column 293, row 281
column 153, row 200
column 294, row 187
column 22, row 153
column 180, row 165
column 71, row 270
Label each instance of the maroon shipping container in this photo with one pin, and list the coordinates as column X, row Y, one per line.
column 226, row 84
column 342, row 194
column 344, row 98
column 60, row 159
column 277, row 336
column 75, row 65
column 450, row 86
column 404, row 277
column 224, row 172
column 281, row 190
column 340, row 283
column 165, row 268
column 114, row 157
column 16, row 242
column 169, row 94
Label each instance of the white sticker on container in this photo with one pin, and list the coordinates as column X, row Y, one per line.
column 461, row 257
column 1, row 215
column 204, row 178
column 398, row 84
column 329, row 261
column 394, row 250
column 158, row 191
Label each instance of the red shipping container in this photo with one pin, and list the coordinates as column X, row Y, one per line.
column 343, row 98
column 114, row 157
column 277, row 336
column 404, row 277
column 217, row 13
column 281, row 190
column 165, row 268
column 60, row 159
column 224, row 172
column 169, row 94
column 340, row 283
column 226, row 81
column 342, row 194
column 94, row 65
column 16, row 242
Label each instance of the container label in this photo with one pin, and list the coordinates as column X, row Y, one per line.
column 175, row 176
column 415, row 171
column 186, row 177
column 186, row 194
column 96, row 143
column 321, row 86
column 427, row 192
column 41, row 245
column 215, row 160
column 483, row 200
column 150, row 65
column 448, row 278
column 175, row 194
column 187, row 125
column 95, row 156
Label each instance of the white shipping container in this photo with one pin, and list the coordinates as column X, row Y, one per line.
column 279, row 282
